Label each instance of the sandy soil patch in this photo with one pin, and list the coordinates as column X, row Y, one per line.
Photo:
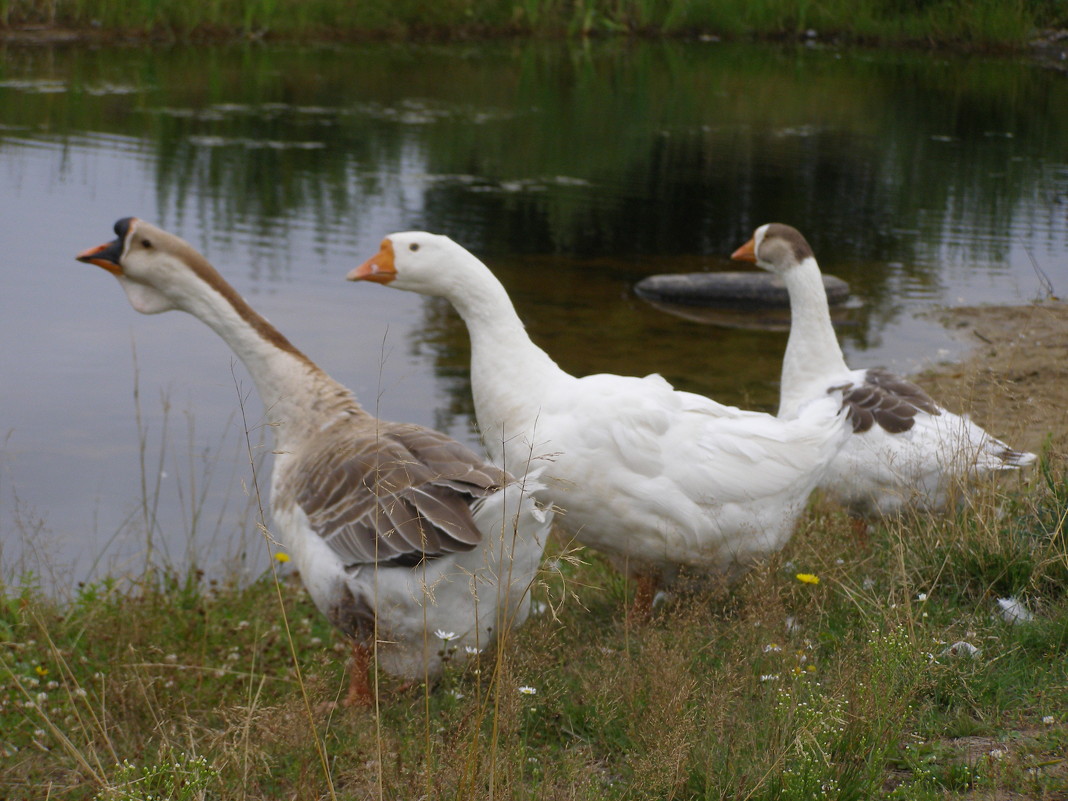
column 1014, row 382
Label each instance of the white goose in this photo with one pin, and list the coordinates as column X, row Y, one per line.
column 657, row 479
column 397, row 530
column 906, row 450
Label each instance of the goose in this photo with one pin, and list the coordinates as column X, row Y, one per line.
column 409, row 543
column 661, row 481
column 906, row 451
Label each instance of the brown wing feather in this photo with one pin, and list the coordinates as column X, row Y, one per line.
column 393, row 493
column 887, row 400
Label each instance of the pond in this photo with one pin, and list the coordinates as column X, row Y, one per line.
column 573, row 170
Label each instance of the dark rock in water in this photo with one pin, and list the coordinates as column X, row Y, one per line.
column 741, row 290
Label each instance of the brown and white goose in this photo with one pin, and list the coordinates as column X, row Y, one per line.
column 397, row 530
column 656, row 478
column 906, row 449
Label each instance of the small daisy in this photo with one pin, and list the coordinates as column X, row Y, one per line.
column 471, row 650
column 772, row 648
column 921, row 597
column 528, row 690
column 1048, row 720
column 769, row 677
column 445, row 636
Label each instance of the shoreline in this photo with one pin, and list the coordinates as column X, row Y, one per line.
column 1013, row 378
column 1048, row 47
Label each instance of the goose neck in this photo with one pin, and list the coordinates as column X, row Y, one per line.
column 812, row 350
column 290, row 385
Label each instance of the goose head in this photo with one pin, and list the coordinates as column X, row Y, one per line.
column 430, row 264
column 775, row 247
column 157, row 270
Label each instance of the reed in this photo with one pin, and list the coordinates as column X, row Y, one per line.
column 971, row 22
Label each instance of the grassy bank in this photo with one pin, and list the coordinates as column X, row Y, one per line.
column 972, row 22
column 784, row 688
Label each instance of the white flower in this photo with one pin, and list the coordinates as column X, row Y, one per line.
column 538, row 607
column 921, row 597
column 770, row 677
column 38, row 733
column 441, row 634
column 772, row 648
column 80, row 692
column 456, row 694
column 472, row 650
column 528, row 690
column 998, row 753
column 1048, row 720
column 1013, row 611
column 42, row 697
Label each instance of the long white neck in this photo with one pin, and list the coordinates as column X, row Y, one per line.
column 813, row 356
column 510, row 375
column 294, row 391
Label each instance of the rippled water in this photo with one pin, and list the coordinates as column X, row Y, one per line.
column 573, row 171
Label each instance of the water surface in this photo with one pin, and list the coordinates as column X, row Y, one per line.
column 574, row 171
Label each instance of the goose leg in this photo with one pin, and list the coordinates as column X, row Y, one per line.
column 359, row 693
column 641, row 609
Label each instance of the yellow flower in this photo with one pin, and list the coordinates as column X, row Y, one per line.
column 282, row 558
column 808, row 578
column 41, row 670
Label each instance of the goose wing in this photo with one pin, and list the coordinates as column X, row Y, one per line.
column 394, row 494
column 887, row 400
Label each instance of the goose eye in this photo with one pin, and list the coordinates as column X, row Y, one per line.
column 145, row 243
column 413, row 247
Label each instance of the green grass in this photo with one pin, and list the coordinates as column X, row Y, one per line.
column 972, row 22
column 176, row 687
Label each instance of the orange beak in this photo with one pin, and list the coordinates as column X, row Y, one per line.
column 106, row 256
column 746, row 252
column 379, row 268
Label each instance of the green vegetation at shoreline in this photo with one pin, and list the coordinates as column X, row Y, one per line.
column 858, row 665
column 981, row 23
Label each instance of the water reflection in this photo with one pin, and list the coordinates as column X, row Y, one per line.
column 573, row 171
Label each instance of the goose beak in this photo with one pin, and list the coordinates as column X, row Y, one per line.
column 106, row 256
column 379, row 268
column 746, row 252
